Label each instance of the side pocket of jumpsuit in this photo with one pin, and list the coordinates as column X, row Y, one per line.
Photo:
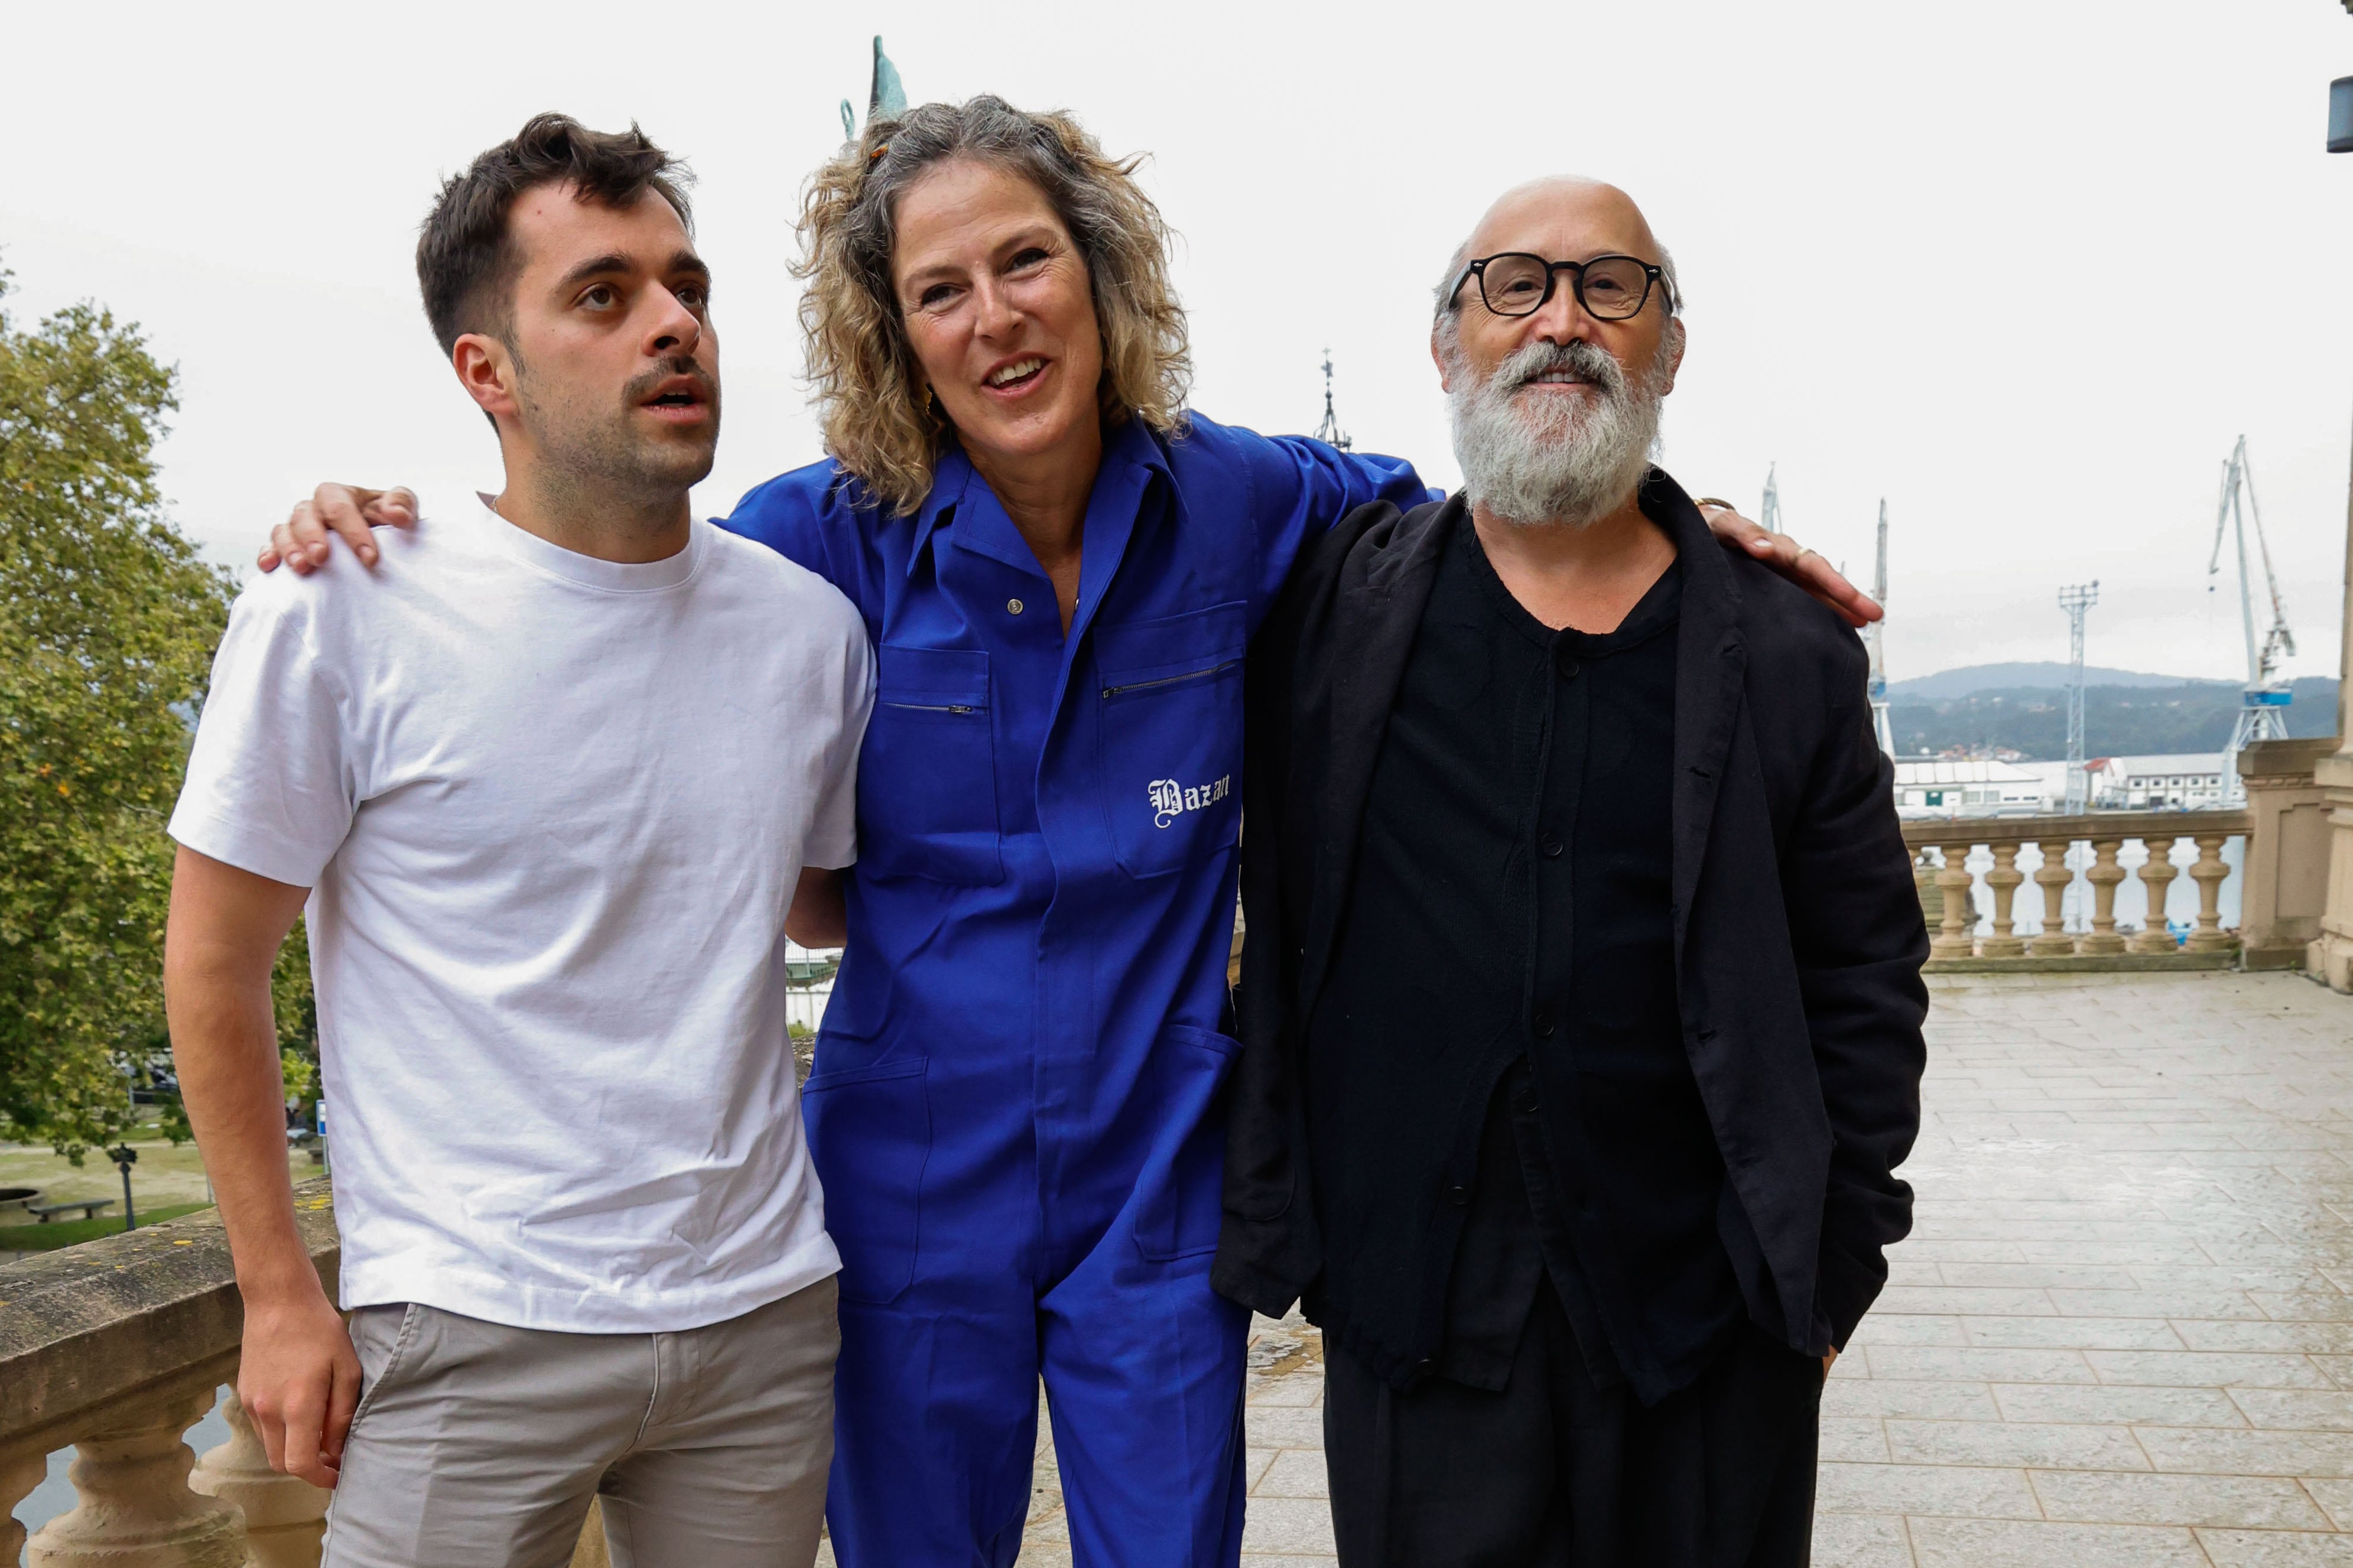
column 1180, row 1201
column 869, row 1135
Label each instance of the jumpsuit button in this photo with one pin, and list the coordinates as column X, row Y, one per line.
column 1569, row 668
column 1525, row 1100
column 1458, row 1195
column 1551, row 845
column 1543, row 1025
column 1012, row 606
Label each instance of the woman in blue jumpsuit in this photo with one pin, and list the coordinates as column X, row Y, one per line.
column 1015, row 1104
column 1014, row 1107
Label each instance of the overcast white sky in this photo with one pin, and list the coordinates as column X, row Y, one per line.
column 2026, row 269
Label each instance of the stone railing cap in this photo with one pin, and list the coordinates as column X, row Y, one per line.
column 84, row 1326
column 1920, row 831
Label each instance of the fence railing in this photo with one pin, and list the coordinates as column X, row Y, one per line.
column 1983, row 916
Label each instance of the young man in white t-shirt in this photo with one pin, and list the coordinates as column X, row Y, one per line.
column 551, row 779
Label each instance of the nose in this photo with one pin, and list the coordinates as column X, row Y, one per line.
column 674, row 329
column 1562, row 320
column 996, row 315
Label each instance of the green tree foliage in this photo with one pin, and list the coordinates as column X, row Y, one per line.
column 108, row 623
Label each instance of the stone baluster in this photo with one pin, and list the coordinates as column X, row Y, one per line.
column 19, row 1474
column 1958, row 937
column 2002, row 882
column 135, row 1511
column 2156, row 880
column 2052, row 876
column 2209, row 874
column 2104, row 875
column 285, row 1516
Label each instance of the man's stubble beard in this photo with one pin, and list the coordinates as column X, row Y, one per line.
column 597, row 456
column 1569, row 461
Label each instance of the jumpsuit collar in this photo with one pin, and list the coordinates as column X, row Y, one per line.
column 961, row 503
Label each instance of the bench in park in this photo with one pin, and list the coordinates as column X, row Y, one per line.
column 41, row 1212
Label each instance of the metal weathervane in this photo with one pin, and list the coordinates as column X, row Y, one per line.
column 885, row 100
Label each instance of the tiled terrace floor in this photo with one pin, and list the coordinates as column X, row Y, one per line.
column 2121, row 1333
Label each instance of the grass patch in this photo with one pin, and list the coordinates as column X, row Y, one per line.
column 73, row 1232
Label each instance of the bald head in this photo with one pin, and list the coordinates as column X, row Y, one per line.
column 1566, row 216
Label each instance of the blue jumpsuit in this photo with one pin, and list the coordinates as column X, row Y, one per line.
column 1015, row 1111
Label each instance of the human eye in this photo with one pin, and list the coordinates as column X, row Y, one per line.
column 1027, row 258
column 937, row 297
column 693, row 295
column 600, row 297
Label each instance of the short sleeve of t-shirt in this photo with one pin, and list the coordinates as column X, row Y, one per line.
column 269, row 788
column 832, row 841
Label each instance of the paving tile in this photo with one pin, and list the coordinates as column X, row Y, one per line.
column 2195, row 1369
column 1858, row 1438
column 1996, row 1543
column 2304, row 1337
column 1881, row 1328
column 2213, row 1450
column 1295, row 1473
column 2013, row 1299
column 2326, row 1306
column 2048, row 1446
column 2305, row 1409
column 1967, row 1490
column 2040, row 1276
column 1861, row 1540
column 2274, row 1549
column 1979, row 1366
column 2253, row 1502
column 2117, row 1404
column 1931, row 1401
column 1300, row 1525
column 2336, row 1497
column 2180, row 1303
column 2074, row 1334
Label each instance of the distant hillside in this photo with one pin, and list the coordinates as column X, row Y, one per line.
column 1978, row 678
column 2119, row 720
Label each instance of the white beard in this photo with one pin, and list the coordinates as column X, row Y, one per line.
column 1554, row 460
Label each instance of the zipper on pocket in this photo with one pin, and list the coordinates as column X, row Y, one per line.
column 1170, row 679
column 929, row 707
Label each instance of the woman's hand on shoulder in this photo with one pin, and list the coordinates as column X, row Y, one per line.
column 344, row 511
column 1800, row 565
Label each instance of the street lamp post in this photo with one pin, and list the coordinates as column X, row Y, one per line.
column 124, row 1156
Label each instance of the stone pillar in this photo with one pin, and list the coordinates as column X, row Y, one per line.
column 2287, row 851
column 2209, row 874
column 2104, row 875
column 2156, row 880
column 135, row 1509
column 1958, row 938
column 2330, row 955
column 2002, row 882
column 2052, row 876
column 285, row 1516
column 19, row 1474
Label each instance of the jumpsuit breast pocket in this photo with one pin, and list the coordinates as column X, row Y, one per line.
column 1171, row 736
column 927, row 774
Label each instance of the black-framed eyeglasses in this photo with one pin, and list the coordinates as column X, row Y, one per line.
column 1610, row 287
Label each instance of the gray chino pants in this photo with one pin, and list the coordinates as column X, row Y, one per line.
column 480, row 1446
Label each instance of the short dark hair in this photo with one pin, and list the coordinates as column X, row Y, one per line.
column 466, row 257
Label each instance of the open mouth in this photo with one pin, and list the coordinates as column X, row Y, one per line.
column 1015, row 374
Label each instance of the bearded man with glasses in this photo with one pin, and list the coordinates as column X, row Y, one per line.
column 1582, row 1000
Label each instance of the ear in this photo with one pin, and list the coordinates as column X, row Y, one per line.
column 486, row 369
column 1438, row 358
column 1674, row 355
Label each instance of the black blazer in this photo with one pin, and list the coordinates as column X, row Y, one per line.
column 1798, row 936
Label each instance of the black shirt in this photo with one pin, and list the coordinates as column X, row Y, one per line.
column 1512, row 909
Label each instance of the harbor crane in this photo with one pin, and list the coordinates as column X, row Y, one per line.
column 2264, row 702
column 1874, row 636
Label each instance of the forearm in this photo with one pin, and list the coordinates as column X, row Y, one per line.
column 224, row 935
column 819, row 913
column 225, row 1045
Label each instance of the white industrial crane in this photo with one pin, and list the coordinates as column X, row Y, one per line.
column 2262, row 708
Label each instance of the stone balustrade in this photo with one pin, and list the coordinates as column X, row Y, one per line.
column 119, row 1347
column 2085, row 853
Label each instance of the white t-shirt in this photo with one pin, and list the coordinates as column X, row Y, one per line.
column 552, row 810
